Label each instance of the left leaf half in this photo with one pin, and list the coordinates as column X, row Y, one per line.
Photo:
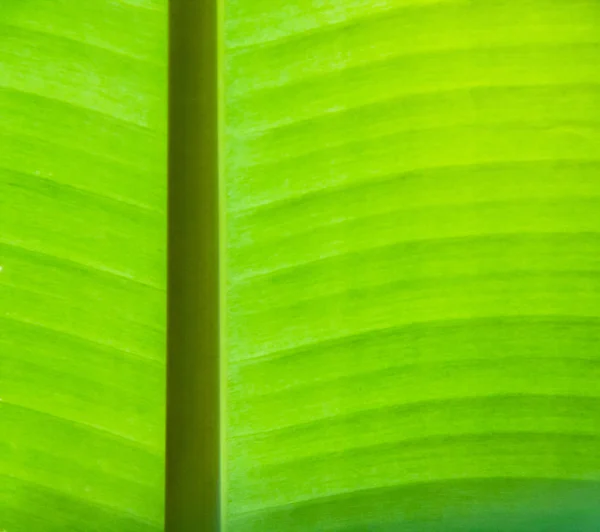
column 83, row 264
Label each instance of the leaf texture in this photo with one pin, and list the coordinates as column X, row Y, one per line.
column 413, row 291
column 82, row 251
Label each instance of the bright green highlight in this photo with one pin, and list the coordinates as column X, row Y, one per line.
column 413, row 288
column 82, row 249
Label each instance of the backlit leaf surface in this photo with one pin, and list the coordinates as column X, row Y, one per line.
column 82, row 252
column 413, row 242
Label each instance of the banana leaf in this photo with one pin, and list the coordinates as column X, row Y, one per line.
column 412, row 277
column 411, row 283
column 82, row 254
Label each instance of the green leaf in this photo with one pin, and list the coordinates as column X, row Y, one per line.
column 413, row 288
column 82, row 251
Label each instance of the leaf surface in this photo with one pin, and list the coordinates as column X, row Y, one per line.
column 413, row 289
column 82, row 251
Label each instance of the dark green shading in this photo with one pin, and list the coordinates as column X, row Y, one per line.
column 470, row 505
column 192, row 491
